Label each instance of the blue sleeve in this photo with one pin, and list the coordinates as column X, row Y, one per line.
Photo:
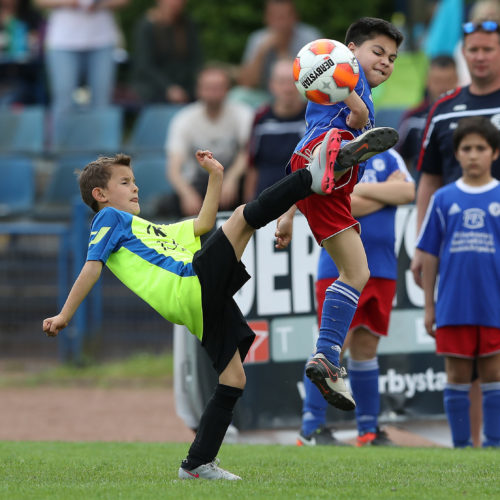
column 105, row 235
column 431, row 235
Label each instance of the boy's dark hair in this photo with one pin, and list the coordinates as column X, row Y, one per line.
column 97, row 174
column 368, row 28
column 479, row 125
column 443, row 61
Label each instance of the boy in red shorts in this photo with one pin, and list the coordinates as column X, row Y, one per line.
column 386, row 183
column 374, row 42
column 460, row 239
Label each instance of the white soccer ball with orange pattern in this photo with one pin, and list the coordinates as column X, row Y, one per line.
column 325, row 71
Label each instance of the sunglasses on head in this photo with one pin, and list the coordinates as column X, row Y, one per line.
column 488, row 26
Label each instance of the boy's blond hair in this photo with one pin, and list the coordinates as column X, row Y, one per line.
column 97, row 174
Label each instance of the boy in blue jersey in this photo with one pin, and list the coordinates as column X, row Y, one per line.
column 460, row 241
column 185, row 282
column 385, row 184
column 338, row 137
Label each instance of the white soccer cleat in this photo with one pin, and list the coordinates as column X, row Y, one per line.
column 208, row 471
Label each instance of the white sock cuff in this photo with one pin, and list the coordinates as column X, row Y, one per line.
column 362, row 366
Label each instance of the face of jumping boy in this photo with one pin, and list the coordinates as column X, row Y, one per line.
column 121, row 192
column 475, row 156
column 376, row 57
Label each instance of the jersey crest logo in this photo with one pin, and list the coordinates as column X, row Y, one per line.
column 378, row 165
column 98, row 235
column 494, row 208
column 473, row 218
column 495, row 119
column 454, row 209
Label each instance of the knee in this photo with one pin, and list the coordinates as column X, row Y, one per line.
column 357, row 279
column 234, row 377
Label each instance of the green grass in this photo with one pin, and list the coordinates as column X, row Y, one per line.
column 138, row 370
column 38, row 470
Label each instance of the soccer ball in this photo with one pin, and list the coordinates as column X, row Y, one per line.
column 325, row 71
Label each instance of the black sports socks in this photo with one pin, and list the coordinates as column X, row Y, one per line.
column 278, row 198
column 213, row 426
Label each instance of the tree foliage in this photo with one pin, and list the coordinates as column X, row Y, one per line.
column 225, row 24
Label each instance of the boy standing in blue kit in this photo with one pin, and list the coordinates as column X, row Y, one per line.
column 185, row 282
column 460, row 240
column 338, row 139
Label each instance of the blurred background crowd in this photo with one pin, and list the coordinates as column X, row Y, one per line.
column 159, row 79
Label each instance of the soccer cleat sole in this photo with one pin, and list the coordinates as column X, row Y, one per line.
column 368, row 144
column 336, row 399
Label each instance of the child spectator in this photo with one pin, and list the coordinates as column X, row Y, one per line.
column 459, row 240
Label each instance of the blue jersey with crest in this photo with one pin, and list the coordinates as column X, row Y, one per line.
column 377, row 228
column 462, row 228
column 321, row 118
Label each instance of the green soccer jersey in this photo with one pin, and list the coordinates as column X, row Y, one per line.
column 154, row 260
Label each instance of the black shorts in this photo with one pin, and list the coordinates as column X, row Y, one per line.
column 221, row 275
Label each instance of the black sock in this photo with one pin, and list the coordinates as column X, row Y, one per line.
column 213, row 426
column 278, row 198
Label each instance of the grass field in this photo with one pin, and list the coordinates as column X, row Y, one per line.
column 40, row 470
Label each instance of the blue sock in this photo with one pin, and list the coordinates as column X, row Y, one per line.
column 339, row 307
column 363, row 376
column 491, row 413
column 456, row 405
column 313, row 408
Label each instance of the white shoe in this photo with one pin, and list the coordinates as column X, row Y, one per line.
column 208, row 471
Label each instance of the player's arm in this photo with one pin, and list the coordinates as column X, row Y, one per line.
column 430, row 265
column 396, row 190
column 208, row 213
column 427, row 186
column 284, row 228
column 358, row 117
column 361, row 206
column 86, row 280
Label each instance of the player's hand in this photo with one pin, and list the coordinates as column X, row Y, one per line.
column 208, row 162
column 52, row 326
column 283, row 234
column 416, row 267
column 430, row 320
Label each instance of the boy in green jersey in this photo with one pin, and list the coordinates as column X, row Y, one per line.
column 185, row 282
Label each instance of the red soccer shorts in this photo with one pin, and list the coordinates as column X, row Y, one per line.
column 374, row 306
column 467, row 341
column 328, row 215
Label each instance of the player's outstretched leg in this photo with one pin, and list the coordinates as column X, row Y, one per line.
column 368, row 144
column 329, row 379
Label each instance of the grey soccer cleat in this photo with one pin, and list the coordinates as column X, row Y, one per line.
column 208, row 471
column 322, row 166
column 329, row 380
column 363, row 147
